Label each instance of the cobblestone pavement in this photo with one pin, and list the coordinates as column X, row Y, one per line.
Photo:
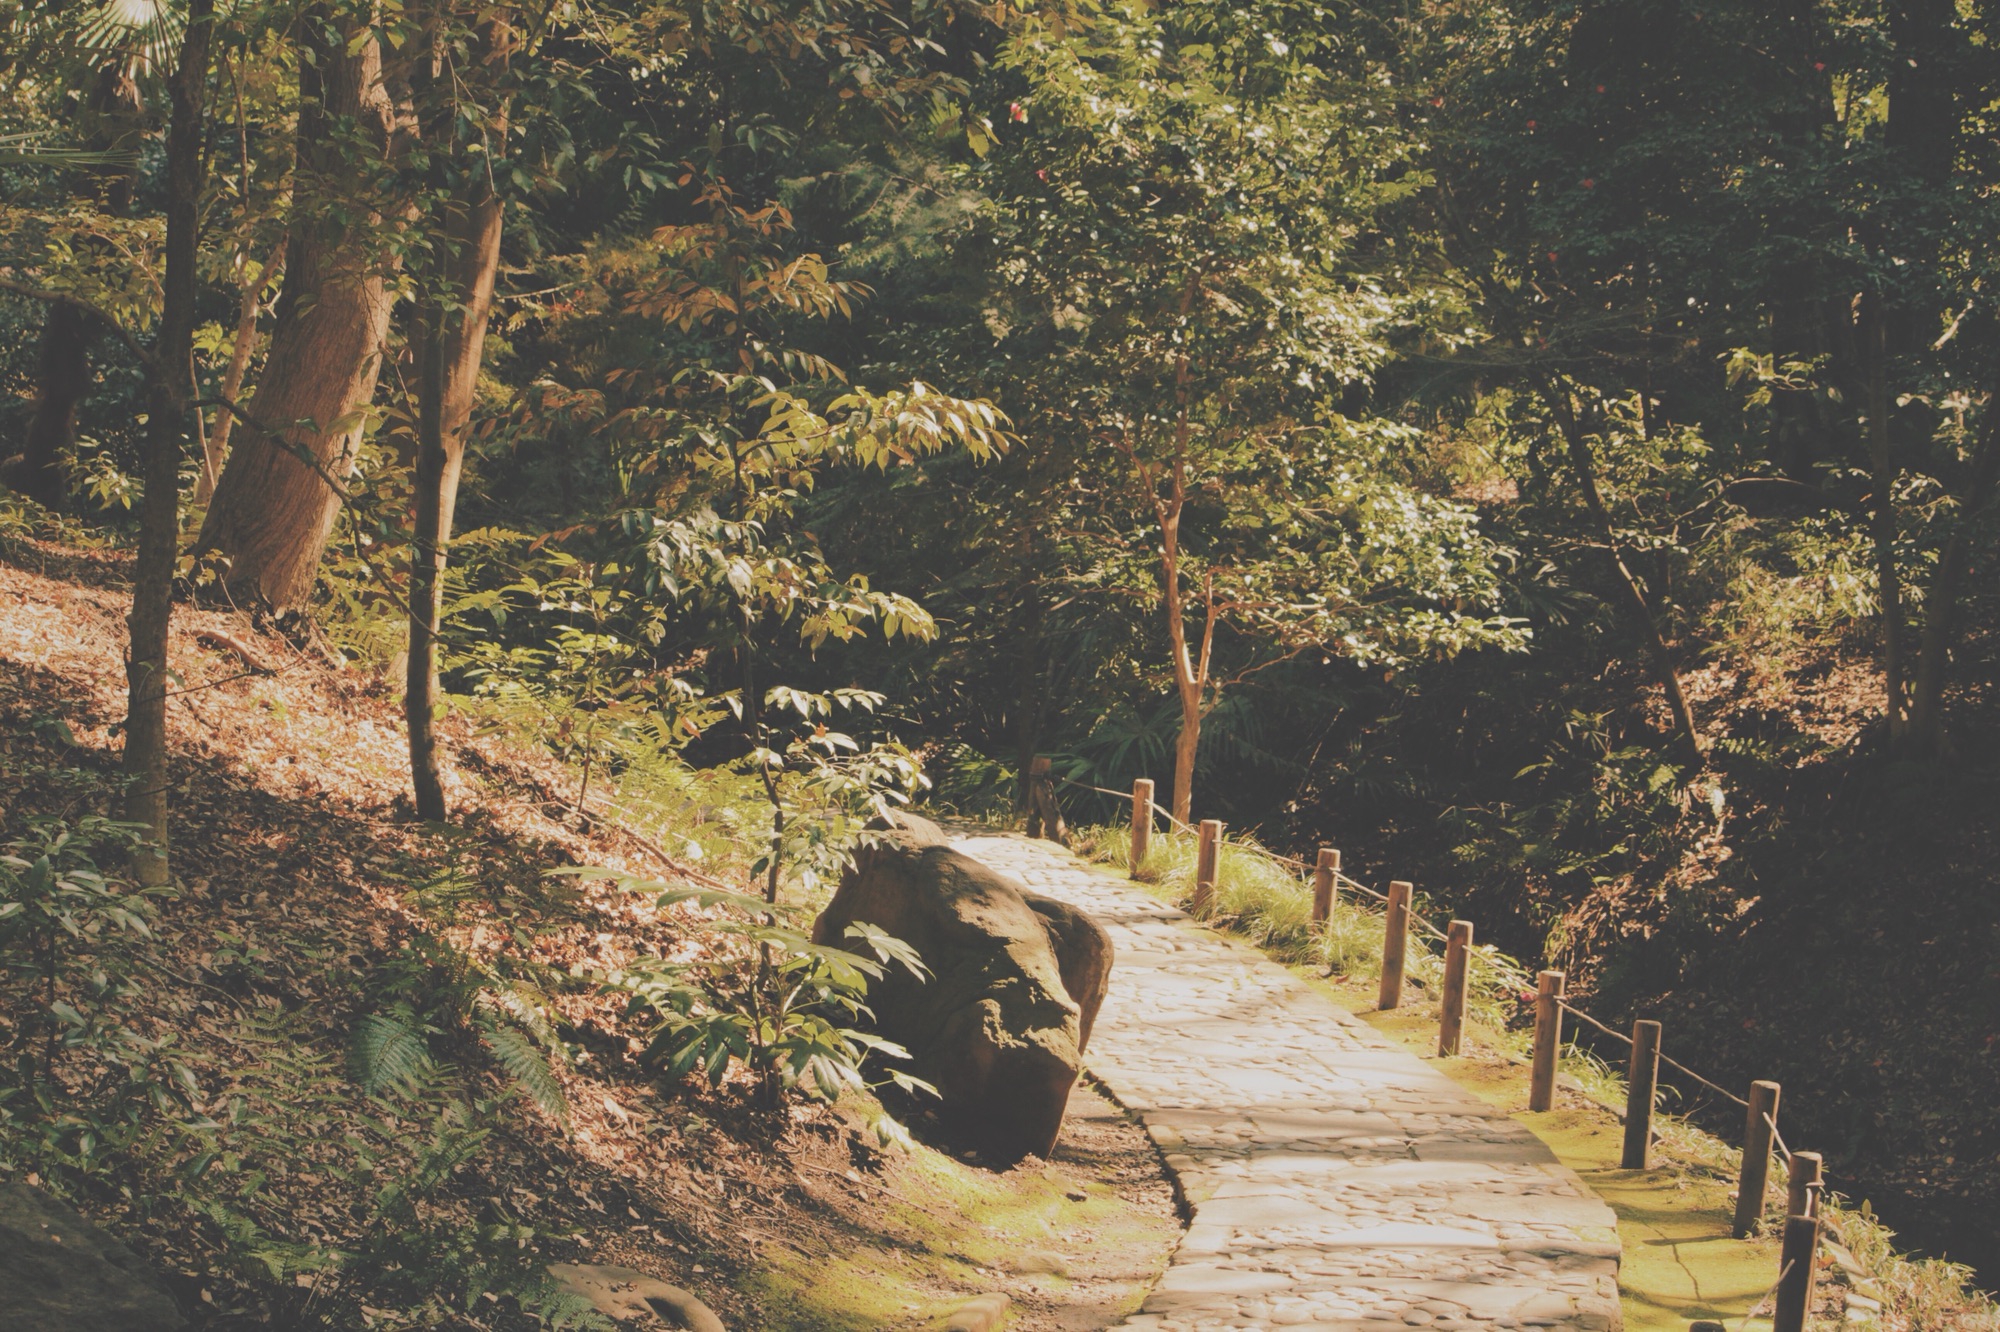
column 1335, row 1180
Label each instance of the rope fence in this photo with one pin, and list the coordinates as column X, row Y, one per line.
column 1761, row 1138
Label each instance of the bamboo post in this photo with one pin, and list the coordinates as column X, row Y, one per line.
column 1204, row 866
column 1325, row 875
column 1759, row 1123
column 1451, row 1014
column 1142, row 822
column 1395, row 944
column 1548, row 1039
column 1795, row 1274
column 1802, row 1192
column 1642, row 1081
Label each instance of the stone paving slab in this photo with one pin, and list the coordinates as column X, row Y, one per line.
column 1335, row 1180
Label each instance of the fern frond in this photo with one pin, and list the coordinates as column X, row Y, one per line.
column 389, row 1050
column 527, row 1007
column 528, row 1065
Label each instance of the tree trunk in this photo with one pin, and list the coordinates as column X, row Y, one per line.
column 169, row 377
column 117, row 113
column 273, row 510
column 1882, row 517
column 1031, row 700
column 1926, row 733
column 62, row 378
column 427, row 568
column 1186, row 745
column 1585, row 466
column 249, row 302
column 1190, row 678
column 449, row 360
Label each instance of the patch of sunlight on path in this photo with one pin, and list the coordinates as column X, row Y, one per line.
column 1681, row 1263
column 1335, row 1180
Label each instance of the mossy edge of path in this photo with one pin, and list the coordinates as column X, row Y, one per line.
column 932, row 1232
column 1680, row 1262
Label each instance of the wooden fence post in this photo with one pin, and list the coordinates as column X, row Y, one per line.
column 1802, row 1192
column 1142, row 822
column 1795, row 1274
column 1395, row 943
column 1205, row 866
column 1759, row 1123
column 1451, row 1013
column 1548, row 1039
column 1045, row 818
column 1642, row 1081
column 1325, row 874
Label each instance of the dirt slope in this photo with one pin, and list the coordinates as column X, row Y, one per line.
column 303, row 883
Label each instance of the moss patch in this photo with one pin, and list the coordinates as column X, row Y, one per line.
column 1075, row 1242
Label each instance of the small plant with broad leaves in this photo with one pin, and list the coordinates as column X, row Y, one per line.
column 770, row 999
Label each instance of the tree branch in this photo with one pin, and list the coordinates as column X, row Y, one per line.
column 89, row 307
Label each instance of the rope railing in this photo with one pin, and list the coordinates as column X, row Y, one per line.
column 1762, row 1138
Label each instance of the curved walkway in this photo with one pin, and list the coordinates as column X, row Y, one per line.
column 1335, row 1180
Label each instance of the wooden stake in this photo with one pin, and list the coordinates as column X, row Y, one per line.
column 1795, row 1274
column 1642, row 1081
column 1395, row 944
column 1142, row 822
column 1204, row 866
column 1325, row 876
column 1759, row 1123
column 1802, row 1195
column 1548, row 1039
column 1451, row 1014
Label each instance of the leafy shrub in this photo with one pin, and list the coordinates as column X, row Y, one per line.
column 768, row 998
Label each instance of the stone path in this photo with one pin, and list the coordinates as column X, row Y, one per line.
column 1335, row 1180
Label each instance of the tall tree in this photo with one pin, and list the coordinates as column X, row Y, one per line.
column 460, row 81
column 278, row 493
column 170, row 407
column 1179, row 223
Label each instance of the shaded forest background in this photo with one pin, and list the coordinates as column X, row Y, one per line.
column 1542, row 449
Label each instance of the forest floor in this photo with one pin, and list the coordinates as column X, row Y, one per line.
column 303, row 879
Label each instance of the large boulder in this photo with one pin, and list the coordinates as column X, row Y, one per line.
column 60, row 1273
column 1083, row 957
column 997, row 1029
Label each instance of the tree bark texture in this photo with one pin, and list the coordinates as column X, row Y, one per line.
column 449, row 355
column 273, row 510
column 169, row 379
column 426, row 571
column 249, row 304
column 62, row 377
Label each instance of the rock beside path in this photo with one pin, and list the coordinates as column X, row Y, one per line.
column 60, row 1273
column 996, row 1029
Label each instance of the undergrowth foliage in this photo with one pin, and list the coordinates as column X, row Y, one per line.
column 434, row 993
column 235, row 1138
column 80, row 1086
column 764, row 996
